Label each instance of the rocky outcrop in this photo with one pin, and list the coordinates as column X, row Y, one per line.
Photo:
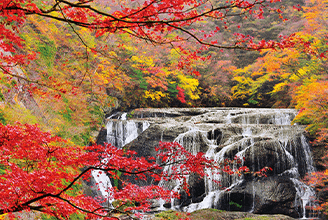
column 261, row 137
column 271, row 195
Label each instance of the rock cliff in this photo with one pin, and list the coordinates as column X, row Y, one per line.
column 261, row 137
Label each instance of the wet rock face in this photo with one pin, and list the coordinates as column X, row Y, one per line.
column 271, row 195
column 261, row 137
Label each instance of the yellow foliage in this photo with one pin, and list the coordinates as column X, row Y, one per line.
column 279, row 87
column 129, row 48
column 154, row 95
column 107, row 75
column 112, row 53
column 190, row 86
column 242, row 89
column 312, row 100
column 307, row 93
column 15, row 112
column 301, row 72
column 87, row 36
column 175, row 55
column 148, row 61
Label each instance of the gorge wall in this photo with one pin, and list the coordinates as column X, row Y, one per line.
column 261, row 137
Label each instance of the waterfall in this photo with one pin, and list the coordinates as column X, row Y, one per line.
column 259, row 137
column 104, row 185
column 292, row 156
column 122, row 131
column 305, row 197
column 119, row 133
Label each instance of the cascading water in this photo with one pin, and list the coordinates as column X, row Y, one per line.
column 119, row 133
column 104, row 185
column 260, row 137
column 304, row 194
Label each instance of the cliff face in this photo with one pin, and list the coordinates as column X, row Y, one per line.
column 262, row 137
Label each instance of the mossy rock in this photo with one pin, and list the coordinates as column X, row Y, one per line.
column 170, row 215
column 215, row 214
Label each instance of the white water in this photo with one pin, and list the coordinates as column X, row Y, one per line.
column 307, row 152
column 305, row 194
column 190, row 141
column 104, row 185
column 210, row 199
column 247, row 133
column 119, row 133
column 213, row 188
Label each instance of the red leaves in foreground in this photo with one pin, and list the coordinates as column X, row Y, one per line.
column 38, row 172
column 33, row 167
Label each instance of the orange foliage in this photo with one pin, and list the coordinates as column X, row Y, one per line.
column 312, row 100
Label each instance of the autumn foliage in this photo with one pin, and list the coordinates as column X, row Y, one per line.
column 95, row 56
column 71, row 62
column 295, row 77
column 41, row 172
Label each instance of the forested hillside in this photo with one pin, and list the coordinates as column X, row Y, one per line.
column 65, row 65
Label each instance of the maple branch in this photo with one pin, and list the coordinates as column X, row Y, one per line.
column 208, row 44
column 81, row 39
column 38, row 190
column 79, row 208
column 120, row 170
column 126, row 19
column 142, row 9
column 147, row 38
column 69, row 23
column 27, row 205
column 41, row 207
column 129, row 22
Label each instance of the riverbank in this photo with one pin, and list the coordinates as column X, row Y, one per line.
column 210, row 214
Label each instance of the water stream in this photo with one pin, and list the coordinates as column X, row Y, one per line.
column 119, row 133
column 260, row 137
